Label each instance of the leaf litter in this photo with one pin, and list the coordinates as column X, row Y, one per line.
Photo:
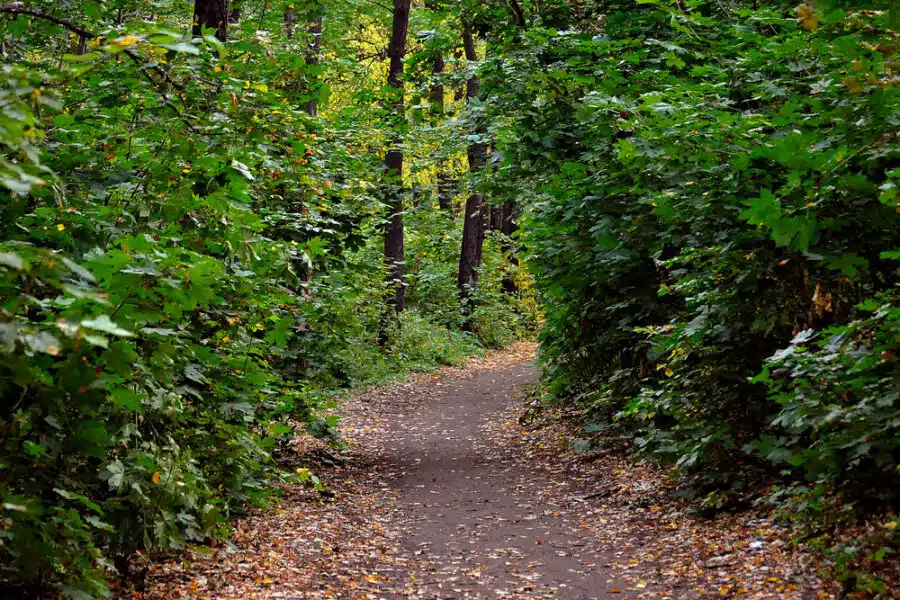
column 445, row 490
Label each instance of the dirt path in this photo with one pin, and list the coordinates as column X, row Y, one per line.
column 470, row 506
column 443, row 493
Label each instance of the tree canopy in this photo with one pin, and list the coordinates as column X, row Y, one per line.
column 215, row 216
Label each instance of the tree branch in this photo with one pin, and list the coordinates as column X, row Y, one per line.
column 17, row 8
column 518, row 13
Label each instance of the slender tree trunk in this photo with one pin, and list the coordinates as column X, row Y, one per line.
column 436, row 99
column 475, row 211
column 312, row 59
column 393, row 160
column 508, row 226
column 212, row 14
column 289, row 20
column 517, row 12
column 459, row 92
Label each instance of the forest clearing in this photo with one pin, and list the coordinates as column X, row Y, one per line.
column 573, row 299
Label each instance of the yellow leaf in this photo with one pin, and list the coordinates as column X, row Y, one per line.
column 807, row 18
column 854, row 84
column 128, row 40
column 155, row 478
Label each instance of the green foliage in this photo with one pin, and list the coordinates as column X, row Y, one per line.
column 840, row 403
column 705, row 182
column 190, row 264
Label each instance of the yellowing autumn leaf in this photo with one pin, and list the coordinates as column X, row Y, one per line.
column 807, row 18
column 125, row 41
column 155, row 478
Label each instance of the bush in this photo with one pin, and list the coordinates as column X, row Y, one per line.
column 839, row 397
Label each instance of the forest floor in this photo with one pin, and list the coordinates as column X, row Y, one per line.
column 444, row 491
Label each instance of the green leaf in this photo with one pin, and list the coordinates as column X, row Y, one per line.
column 114, row 475
column 127, row 399
column 106, row 325
column 182, row 47
column 92, row 437
column 13, row 261
column 33, row 450
column 242, row 169
column 763, row 210
column 82, row 58
column 43, row 341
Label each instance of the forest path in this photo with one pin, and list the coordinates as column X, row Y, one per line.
column 443, row 493
column 474, row 510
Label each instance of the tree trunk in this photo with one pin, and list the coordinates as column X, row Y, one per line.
column 393, row 160
column 459, row 92
column 234, row 16
column 312, row 59
column 436, row 99
column 508, row 226
column 212, row 14
column 476, row 212
column 497, row 217
column 289, row 21
column 436, row 93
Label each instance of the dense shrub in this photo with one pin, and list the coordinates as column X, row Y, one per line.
column 190, row 266
column 705, row 183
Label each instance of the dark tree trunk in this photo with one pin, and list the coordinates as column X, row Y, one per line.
column 508, row 226
column 476, row 210
column 517, row 12
column 212, row 14
column 234, row 16
column 471, row 251
column 312, row 59
column 393, row 160
column 497, row 217
column 436, row 93
column 436, row 99
column 460, row 91
column 289, row 21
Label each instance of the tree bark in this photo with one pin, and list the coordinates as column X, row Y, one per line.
column 313, row 50
column 459, row 92
column 436, row 99
column 508, row 226
column 17, row 8
column 289, row 20
column 436, row 93
column 475, row 211
column 212, row 14
column 517, row 12
column 393, row 160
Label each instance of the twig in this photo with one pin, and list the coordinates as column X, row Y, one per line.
column 142, row 70
column 601, row 494
column 17, row 8
column 384, row 6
